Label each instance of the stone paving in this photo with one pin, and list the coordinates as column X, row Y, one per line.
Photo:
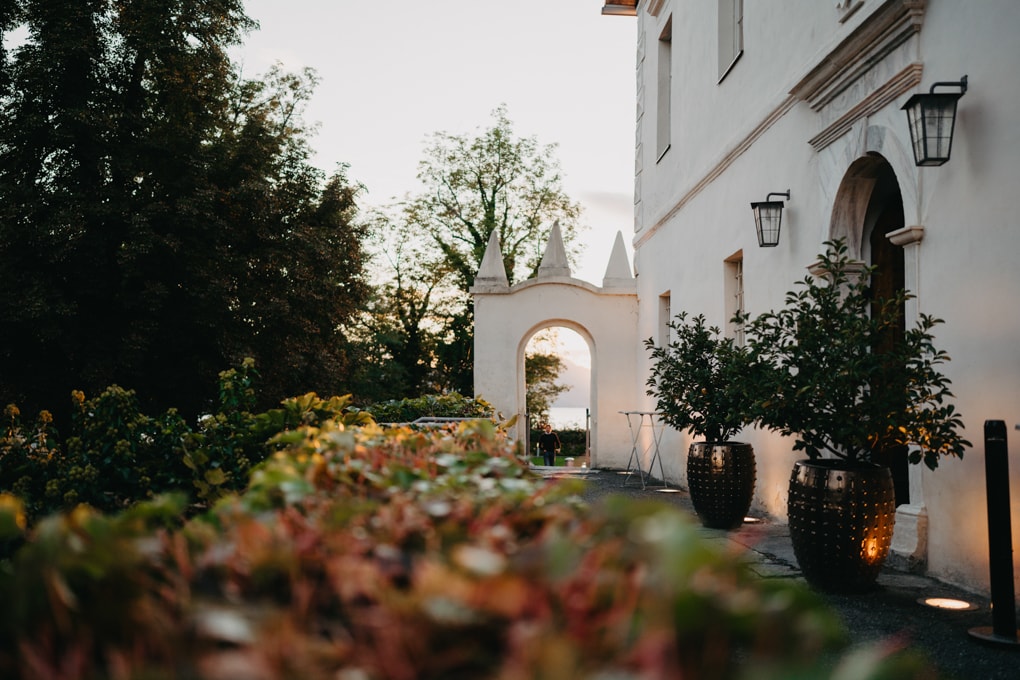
column 891, row 612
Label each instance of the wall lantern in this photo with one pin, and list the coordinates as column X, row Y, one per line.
column 768, row 215
column 931, row 118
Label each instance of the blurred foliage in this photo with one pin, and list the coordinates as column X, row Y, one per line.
column 115, row 455
column 449, row 405
column 364, row 552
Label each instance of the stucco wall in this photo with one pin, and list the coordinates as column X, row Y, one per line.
column 506, row 320
column 757, row 131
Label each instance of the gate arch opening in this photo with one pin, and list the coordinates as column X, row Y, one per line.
column 566, row 394
column 567, row 409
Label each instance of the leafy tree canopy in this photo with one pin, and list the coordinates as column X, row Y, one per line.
column 159, row 219
column 472, row 186
column 541, row 371
column 495, row 181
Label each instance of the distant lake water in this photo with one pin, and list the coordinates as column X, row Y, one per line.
column 567, row 417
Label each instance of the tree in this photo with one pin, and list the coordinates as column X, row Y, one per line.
column 473, row 186
column 541, row 370
column 495, row 181
column 402, row 322
column 159, row 220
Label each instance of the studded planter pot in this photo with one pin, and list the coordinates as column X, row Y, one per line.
column 720, row 477
column 841, row 522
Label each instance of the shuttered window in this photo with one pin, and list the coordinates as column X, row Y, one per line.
column 731, row 34
column 664, row 89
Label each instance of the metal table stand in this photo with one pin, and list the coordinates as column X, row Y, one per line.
column 636, row 421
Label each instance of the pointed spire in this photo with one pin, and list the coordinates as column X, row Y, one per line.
column 492, row 273
column 618, row 272
column 554, row 261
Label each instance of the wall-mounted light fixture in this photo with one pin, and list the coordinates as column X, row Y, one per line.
column 768, row 215
column 931, row 118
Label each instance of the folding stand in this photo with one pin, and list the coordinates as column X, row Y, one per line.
column 635, row 436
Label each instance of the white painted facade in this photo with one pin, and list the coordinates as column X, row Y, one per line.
column 812, row 105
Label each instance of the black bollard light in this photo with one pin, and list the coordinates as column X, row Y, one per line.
column 1003, row 630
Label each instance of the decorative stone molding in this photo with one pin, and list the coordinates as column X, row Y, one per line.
column 886, row 29
column 906, row 236
column 554, row 261
column 910, row 537
column 654, row 7
column 902, row 82
column 618, row 273
column 846, row 8
column 855, row 268
column 491, row 276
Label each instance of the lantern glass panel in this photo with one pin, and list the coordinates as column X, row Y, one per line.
column 768, row 216
column 931, row 119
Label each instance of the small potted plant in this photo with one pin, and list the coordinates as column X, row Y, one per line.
column 847, row 381
column 700, row 383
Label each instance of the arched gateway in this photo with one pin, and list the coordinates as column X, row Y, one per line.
column 507, row 317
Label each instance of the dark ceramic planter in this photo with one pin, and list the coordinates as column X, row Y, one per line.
column 720, row 477
column 841, row 522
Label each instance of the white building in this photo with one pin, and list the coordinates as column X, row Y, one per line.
column 739, row 100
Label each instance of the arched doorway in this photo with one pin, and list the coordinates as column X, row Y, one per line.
column 869, row 207
column 558, row 387
column 506, row 317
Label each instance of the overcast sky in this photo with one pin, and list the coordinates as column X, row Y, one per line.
column 394, row 71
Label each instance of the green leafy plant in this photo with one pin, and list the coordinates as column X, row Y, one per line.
column 116, row 455
column 833, row 390
column 113, row 458
column 229, row 441
column 702, row 382
column 448, row 405
column 29, row 455
column 388, row 552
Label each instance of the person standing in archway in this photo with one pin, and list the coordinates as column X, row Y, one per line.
column 549, row 444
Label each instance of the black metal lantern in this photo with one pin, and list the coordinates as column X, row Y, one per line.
column 768, row 215
column 931, row 118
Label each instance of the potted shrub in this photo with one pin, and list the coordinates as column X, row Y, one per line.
column 700, row 383
column 844, row 400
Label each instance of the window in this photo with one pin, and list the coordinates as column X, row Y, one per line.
column 665, row 336
column 731, row 34
column 664, row 89
column 734, row 291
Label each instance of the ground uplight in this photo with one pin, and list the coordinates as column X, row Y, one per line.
column 947, row 603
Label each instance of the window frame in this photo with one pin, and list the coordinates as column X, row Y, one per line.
column 664, row 91
column 734, row 296
column 731, row 35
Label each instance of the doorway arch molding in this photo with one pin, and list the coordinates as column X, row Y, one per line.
column 870, row 184
column 507, row 317
column 848, row 171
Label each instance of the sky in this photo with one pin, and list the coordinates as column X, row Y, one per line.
column 392, row 72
